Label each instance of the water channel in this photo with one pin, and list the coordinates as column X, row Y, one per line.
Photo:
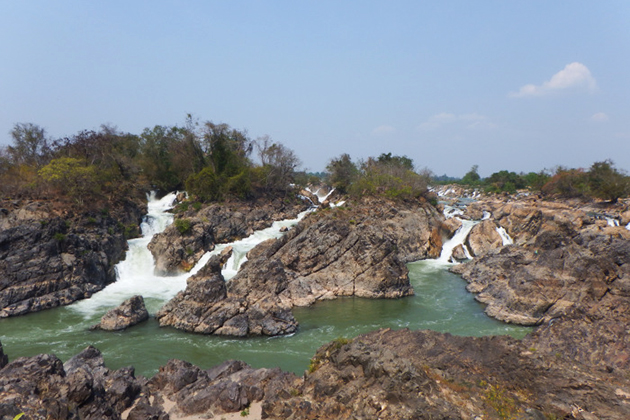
column 441, row 303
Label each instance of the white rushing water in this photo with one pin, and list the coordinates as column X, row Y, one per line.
column 458, row 239
column 612, row 222
column 505, row 237
column 135, row 275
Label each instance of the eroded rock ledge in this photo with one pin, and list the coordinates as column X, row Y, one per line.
column 356, row 251
column 175, row 252
column 48, row 259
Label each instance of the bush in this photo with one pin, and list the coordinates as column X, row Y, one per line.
column 183, row 226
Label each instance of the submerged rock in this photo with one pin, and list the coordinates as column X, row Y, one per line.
column 129, row 313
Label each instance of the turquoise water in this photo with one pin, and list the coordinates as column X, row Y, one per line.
column 441, row 303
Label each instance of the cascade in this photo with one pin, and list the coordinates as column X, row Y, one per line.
column 458, row 239
column 505, row 237
column 612, row 222
column 135, row 275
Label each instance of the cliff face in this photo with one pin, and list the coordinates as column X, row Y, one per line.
column 48, row 260
column 357, row 251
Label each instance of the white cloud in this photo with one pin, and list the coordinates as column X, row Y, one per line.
column 472, row 121
column 573, row 76
column 599, row 117
column 382, row 130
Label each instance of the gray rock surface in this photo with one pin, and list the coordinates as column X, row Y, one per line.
column 175, row 252
column 131, row 312
column 358, row 251
column 55, row 261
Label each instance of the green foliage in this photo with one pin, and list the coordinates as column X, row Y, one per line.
column 278, row 165
column 505, row 406
column 397, row 161
column 183, row 226
column 472, row 177
column 72, row 176
column 245, row 412
column 19, row 416
column 390, row 178
column 342, row 172
column 504, row 181
column 606, row 182
column 60, row 237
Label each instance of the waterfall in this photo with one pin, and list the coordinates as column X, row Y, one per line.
column 507, row 240
column 241, row 247
column 612, row 222
column 458, row 239
column 135, row 275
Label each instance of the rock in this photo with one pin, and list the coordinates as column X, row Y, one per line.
column 175, row 252
column 43, row 388
column 450, row 226
column 533, row 286
column 459, row 253
column 4, row 359
column 53, row 262
column 339, row 252
column 129, row 313
column 424, row 374
column 229, row 387
column 483, row 237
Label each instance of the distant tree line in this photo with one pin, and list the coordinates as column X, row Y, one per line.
column 602, row 180
column 211, row 161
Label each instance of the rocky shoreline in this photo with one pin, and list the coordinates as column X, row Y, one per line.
column 567, row 272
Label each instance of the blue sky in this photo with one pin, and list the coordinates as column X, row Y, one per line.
column 521, row 86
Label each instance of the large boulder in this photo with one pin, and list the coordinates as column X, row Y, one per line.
column 483, row 237
column 131, row 312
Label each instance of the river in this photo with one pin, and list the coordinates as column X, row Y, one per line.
column 441, row 303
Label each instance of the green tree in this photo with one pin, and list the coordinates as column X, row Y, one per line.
column 342, row 172
column 72, row 176
column 606, row 182
column 278, row 165
column 472, row 177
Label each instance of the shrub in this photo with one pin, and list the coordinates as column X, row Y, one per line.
column 183, row 226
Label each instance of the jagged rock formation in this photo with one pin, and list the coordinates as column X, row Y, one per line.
column 206, row 307
column 131, row 312
column 424, row 374
column 48, row 261
column 384, row 374
column 175, row 251
column 563, row 259
column 339, row 252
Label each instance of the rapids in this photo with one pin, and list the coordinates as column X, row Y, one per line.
column 441, row 303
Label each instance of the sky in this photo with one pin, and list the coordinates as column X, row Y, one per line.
column 519, row 86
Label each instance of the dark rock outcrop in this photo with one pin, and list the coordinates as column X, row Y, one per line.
column 44, row 388
column 535, row 284
column 337, row 252
column 424, row 374
column 176, row 251
column 53, row 262
column 131, row 312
